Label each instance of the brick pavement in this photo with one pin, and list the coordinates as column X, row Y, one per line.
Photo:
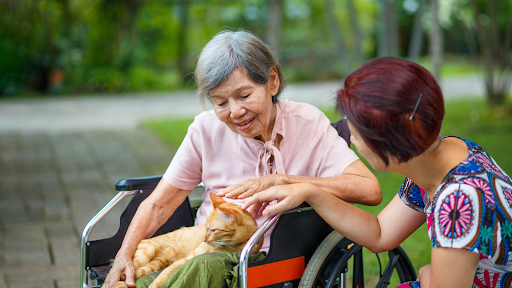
column 51, row 185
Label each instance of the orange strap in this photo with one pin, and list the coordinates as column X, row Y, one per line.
column 276, row 272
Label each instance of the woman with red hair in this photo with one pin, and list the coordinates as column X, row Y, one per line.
column 394, row 109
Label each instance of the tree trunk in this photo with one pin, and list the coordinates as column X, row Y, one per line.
column 340, row 47
column 468, row 37
column 182, row 9
column 417, row 33
column 354, row 23
column 494, row 49
column 435, row 41
column 388, row 36
column 273, row 33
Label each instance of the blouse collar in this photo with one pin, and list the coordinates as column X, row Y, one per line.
column 264, row 165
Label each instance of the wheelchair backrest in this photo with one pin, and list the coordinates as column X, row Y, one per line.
column 101, row 252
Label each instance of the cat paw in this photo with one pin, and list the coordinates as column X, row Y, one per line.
column 120, row 284
column 154, row 285
column 157, row 283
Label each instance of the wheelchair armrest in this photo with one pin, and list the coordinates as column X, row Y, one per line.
column 138, row 183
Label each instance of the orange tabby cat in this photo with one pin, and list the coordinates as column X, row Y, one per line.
column 228, row 228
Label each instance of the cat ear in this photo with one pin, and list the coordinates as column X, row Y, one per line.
column 234, row 217
column 216, row 200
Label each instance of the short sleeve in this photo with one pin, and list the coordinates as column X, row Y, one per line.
column 412, row 195
column 456, row 219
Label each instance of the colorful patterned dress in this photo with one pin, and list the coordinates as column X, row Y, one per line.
column 472, row 210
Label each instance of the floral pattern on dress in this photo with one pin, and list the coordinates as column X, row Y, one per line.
column 485, row 189
column 456, row 215
column 472, row 210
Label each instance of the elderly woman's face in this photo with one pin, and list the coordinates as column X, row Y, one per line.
column 246, row 107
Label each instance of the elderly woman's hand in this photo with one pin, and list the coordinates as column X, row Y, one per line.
column 252, row 186
column 122, row 270
column 287, row 197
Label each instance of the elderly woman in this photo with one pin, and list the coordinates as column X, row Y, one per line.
column 394, row 109
column 249, row 142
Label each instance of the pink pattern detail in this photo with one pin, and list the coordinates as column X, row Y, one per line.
column 483, row 186
column 508, row 194
column 455, row 216
column 491, row 166
column 487, row 279
column 430, row 222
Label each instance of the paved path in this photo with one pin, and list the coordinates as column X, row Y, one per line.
column 86, row 113
column 51, row 185
column 60, row 159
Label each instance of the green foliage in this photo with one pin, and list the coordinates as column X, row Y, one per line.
column 132, row 45
column 128, row 45
column 29, row 43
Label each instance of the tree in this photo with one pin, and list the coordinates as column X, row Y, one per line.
column 354, row 23
column 275, row 16
column 417, row 33
column 340, row 46
column 182, row 8
column 435, row 40
column 388, row 30
column 494, row 28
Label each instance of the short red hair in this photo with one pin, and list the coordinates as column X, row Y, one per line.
column 379, row 98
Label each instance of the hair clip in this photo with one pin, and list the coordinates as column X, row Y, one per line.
column 415, row 108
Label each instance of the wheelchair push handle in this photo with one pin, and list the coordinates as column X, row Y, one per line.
column 244, row 255
column 138, row 183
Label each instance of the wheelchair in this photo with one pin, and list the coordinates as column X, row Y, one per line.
column 304, row 252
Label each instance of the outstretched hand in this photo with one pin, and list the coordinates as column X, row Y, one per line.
column 249, row 187
column 287, row 197
column 122, row 270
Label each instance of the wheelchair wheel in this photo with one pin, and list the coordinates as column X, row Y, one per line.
column 329, row 266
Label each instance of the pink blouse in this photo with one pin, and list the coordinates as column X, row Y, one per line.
column 219, row 157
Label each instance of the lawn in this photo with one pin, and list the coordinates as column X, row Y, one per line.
column 470, row 119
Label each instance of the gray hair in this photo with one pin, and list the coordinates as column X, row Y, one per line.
column 229, row 51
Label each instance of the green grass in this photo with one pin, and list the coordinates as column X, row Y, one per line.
column 470, row 119
column 453, row 66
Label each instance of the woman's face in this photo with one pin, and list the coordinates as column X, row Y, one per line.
column 246, row 107
column 364, row 150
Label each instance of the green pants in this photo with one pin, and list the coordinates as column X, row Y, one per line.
column 217, row 270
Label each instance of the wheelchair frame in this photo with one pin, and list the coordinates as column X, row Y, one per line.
column 333, row 248
column 326, row 265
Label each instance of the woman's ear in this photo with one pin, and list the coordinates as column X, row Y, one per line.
column 273, row 80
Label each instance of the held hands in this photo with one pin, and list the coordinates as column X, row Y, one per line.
column 122, row 270
column 250, row 187
column 287, row 197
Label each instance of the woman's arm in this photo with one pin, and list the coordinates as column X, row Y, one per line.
column 382, row 233
column 151, row 214
column 451, row 268
column 356, row 184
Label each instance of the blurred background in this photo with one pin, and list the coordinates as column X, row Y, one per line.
column 94, row 91
column 87, row 46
